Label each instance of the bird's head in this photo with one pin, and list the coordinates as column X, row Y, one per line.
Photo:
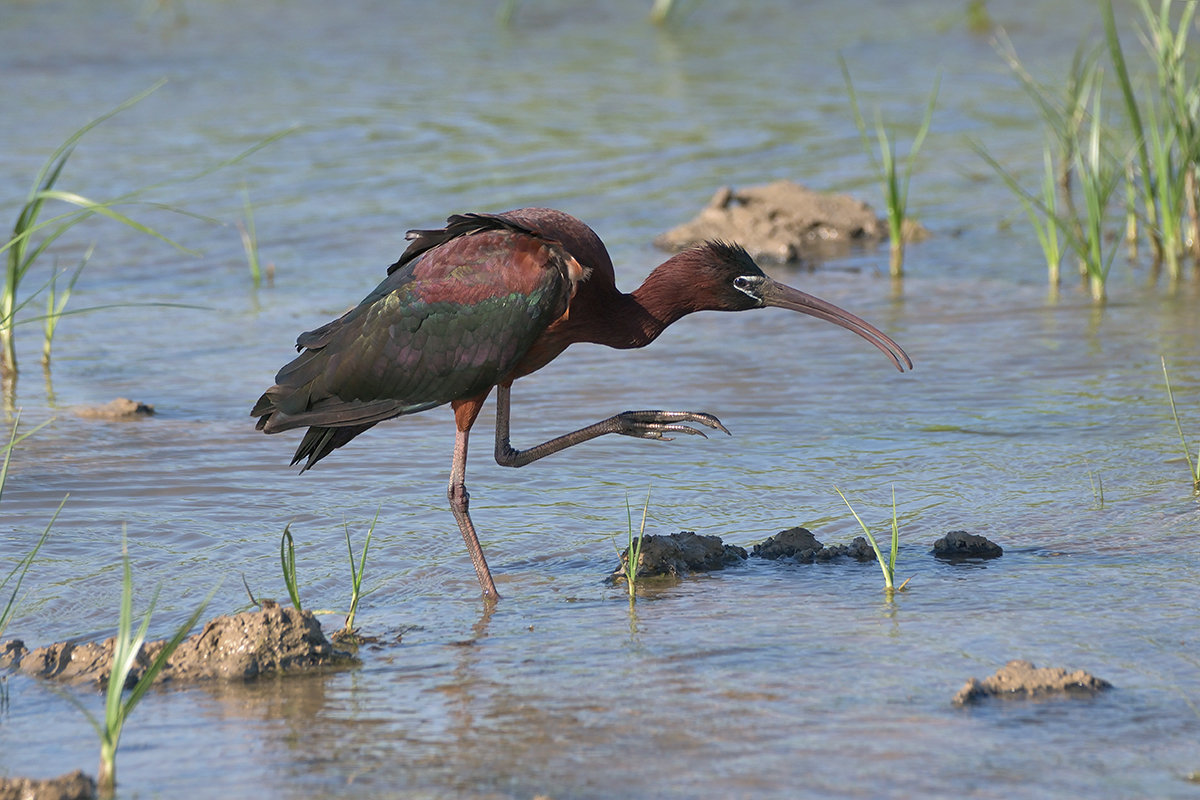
column 720, row 276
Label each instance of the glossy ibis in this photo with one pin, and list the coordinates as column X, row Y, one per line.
column 492, row 297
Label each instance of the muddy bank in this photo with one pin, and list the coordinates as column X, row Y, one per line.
column 783, row 221
column 679, row 554
column 274, row 639
column 1021, row 679
column 72, row 786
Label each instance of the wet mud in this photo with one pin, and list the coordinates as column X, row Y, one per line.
column 680, row 554
column 72, row 786
column 782, row 221
column 272, row 640
column 119, row 409
column 1022, row 680
column 960, row 545
column 799, row 544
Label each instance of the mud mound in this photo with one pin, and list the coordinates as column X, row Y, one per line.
column 959, row 545
column 1021, row 679
column 782, row 221
column 72, row 786
column 273, row 639
column 121, row 408
column 681, row 553
column 800, row 545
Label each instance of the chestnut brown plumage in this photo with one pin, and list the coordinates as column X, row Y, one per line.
column 488, row 299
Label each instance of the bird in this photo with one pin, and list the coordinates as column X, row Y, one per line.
column 490, row 298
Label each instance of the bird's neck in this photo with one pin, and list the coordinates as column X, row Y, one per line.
column 637, row 319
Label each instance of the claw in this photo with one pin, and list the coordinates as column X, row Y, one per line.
column 656, row 424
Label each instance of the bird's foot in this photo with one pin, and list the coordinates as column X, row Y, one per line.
column 658, row 424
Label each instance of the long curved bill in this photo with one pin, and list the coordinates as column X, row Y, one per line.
column 779, row 295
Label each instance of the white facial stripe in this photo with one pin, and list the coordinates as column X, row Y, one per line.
column 746, row 284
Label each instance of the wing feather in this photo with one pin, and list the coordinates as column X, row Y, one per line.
column 454, row 315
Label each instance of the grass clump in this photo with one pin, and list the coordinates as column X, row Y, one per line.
column 1165, row 128
column 287, row 561
column 23, row 252
column 32, row 234
column 1156, row 152
column 1193, row 465
column 888, row 565
column 895, row 184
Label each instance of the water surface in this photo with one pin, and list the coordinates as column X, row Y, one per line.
column 767, row 680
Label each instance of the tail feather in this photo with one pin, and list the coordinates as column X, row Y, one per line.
column 320, row 442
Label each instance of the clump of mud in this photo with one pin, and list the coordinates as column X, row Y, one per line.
column 72, row 786
column 1021, row 679
column 121, row 408
column 800, row 545
column 274, row 639
column 960, row 545
column 782, row 221
column 681, row 553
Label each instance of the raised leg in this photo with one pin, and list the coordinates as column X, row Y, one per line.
column 460, row 499
column 640, row 424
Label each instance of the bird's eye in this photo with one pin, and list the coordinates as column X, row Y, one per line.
column 742, row 283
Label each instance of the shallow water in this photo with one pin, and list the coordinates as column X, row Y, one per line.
column 766, row 680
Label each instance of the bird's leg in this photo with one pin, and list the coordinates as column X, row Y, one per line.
column 641, row 424
column 460, row 500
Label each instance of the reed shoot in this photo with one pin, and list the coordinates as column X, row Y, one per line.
column 287, row 559
column 356, row 574
column 888, row 565
column 631, row 561
column 56, row 302
column 128, row 647
column 1041, row 209
column 1193, row 465
column 1098, row 179
column 894, row 184
column 250, row 239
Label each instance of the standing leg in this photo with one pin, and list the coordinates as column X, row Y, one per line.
column 465, row 412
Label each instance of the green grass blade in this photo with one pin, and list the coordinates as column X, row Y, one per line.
column 287, row 558
column 1193, row 466
column 104, row 209
column 23, row 566
column 895, row 536
column 883, row 563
